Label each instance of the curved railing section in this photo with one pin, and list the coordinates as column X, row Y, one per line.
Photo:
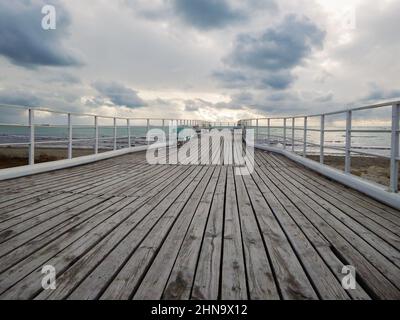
column 368, row 132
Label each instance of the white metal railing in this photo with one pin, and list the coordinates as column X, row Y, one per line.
column 70, row 126
column 266, row 137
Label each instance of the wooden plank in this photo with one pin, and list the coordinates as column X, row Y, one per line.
column 260, row 278
column 28, row 215
column 53, row 234
column 379, row 225
column 66, row 214
column 160, row 219
column 179, row 252
column 18, row 200
column 366, row 229
column 89, row 259
column 206, row 282
column 35, row 182
column 117, row 182
column 70, row 248
column 58, row 178
column 21, row 280
column 375, row 283
column 359, row 202
column 289, row 273
column 338, row 188
column 130, row 182
column 327, row 285
column 128, row 279
column 233, row 277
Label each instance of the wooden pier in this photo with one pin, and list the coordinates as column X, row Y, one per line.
column 124, row 229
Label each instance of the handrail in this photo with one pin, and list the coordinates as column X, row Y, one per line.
column 348, row 130
column 373, row 106
column 70, row 126
column 83, row 114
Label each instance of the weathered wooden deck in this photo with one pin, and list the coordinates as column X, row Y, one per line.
column 123, row 229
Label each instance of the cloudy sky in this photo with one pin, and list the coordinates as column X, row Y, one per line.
column 204, row 59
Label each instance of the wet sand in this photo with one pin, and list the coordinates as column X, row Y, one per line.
column 370, row 168
column 14, row 157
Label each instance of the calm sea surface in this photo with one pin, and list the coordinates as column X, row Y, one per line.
column 376, row 143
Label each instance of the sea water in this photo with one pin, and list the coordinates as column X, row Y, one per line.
column 375, row 143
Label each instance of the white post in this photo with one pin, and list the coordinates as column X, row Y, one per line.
column 147, row 133
column 322, row 140
column 394, row 150
column 69, row 136
column 31, row 137
column 284, row 133
column 256, row 130
column 347, row 166
column 305, row 138
column 269, row 131
column 165, row 131
column 128, row 124
column 96, row 135
column 293, row 132
column 115, row 133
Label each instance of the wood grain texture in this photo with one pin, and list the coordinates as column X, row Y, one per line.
column 124, row 229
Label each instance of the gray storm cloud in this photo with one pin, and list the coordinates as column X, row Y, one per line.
column 119, row 94
column 266, row 60
column 207, row 14
column 25, row 43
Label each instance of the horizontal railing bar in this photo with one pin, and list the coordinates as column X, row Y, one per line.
column 371, row 131
column 14, row 144
column 41, row 109
column 354, row 150
column 13, row 125
column 374, row 106
column 51, row 141
column 83, row 139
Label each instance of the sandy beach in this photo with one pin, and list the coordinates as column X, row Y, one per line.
column 14, row 157
column 370, row 168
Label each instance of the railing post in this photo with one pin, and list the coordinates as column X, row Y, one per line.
column 128, row 124
column 69, row 136
column 293, row 132
column 284, row 133
column 394, row 150
column 257, row 134
column 322, row 140
column 347, row 166
column 31, row 137
column 147, row 132
column 96, row 135
column 165, row 133
column 305, row 138
column 269, row 131
column 115, row 133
